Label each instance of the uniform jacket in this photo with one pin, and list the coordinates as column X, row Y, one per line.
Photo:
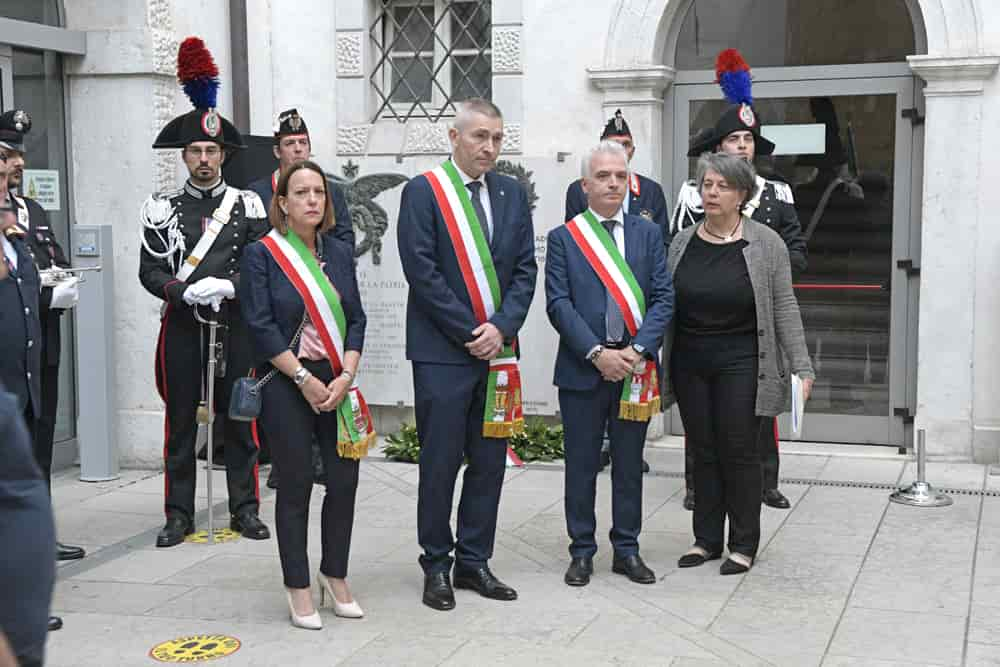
column 47, row 253
column 779, row 332
column 650, row 203
column 272, row 306
column 439, row 316
column 576, row 299
column 776, row 209
column 20, row 363
column 247, row 224
column 343, row 230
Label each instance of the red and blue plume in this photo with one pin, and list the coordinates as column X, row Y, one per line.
column 197, row 73
column 733, row 75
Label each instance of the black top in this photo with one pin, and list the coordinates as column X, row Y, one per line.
column 713, row 290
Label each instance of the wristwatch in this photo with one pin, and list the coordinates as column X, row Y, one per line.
column 300, row 376
column 639, row 349
column 595, row 353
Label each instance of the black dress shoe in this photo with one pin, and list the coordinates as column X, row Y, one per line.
column 776, row 499
column 579, row 571
column 633, row 568
column 55, row 623
column 69, row 552
column 437, row 591
column 645, row 466
column 689, row 500
column 250, row 525
column 174, row 531
column 483, row 582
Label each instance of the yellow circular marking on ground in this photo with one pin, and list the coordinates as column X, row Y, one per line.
column 221, row 535
column 196, row 648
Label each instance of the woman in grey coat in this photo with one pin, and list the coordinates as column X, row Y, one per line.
column 735, row 323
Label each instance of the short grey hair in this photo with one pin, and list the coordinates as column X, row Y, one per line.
column 605, row 147
column 475, row 105
column 737, row 172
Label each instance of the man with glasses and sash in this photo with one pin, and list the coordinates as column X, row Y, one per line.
column 467, row 247
column 609, row 295
column 192, row 242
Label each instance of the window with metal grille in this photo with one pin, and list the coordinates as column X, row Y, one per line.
column 430, row 55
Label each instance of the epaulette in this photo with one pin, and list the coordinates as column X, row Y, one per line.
column 252, row 204
column 782, row 191
column 158, row 207
column 688, row 209
column 168, row 194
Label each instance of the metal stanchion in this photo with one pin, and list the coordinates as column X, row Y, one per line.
column 209, row 417
column 920, row 493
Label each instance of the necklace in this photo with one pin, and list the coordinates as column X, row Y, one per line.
column 728, row 237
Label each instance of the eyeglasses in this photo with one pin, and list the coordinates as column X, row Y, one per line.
column 211, row 151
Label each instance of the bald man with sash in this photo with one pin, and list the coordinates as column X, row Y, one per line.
column 467, row 247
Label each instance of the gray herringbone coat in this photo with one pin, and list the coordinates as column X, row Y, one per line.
column 779, row 324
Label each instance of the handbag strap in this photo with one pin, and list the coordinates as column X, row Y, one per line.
column 291, row 346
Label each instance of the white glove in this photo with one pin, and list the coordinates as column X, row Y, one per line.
column 65, row 293
column 191, row 295
column 206, row 288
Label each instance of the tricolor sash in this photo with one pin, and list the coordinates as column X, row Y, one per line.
column 356, row 430
column 503, row 415
column 640, row 397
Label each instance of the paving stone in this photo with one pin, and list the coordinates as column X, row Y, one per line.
column 900, row 635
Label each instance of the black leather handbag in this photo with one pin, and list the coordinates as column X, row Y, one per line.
column 246, row 399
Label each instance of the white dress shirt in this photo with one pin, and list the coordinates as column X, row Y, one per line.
column 8, row 250
column 484, row 194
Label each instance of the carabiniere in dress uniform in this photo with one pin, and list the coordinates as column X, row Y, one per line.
column 192, row 241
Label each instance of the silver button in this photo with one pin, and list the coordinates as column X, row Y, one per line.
column 29, row 375
column 27, row 311
column 19, row 281
column 236, row 247
column 30, row 343
column 769, row 219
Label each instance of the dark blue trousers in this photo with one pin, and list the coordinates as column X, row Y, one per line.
column 449, row 404
column 585, row 416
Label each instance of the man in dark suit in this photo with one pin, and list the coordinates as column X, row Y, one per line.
column 20, row 364
column 29, row 570
column 451, row 340
column 55, row 299
column 644, row 198
column 609, row 295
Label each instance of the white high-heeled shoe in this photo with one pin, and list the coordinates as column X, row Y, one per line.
column 343, row 609
column 309, row 622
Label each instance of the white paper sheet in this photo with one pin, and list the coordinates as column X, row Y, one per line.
column 798, row 406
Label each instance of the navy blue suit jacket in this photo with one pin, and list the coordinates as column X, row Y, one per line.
column 439, row 316
column 343, row 230
column 650, row 199
column 21, row 361
column 273, row 308
column 576, row 299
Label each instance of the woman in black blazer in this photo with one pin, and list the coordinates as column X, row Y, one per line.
column 303, row 400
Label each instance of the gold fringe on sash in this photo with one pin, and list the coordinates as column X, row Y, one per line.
column 503, row 429
column 355, row 450
column 638, row 412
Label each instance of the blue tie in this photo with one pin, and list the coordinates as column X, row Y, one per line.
column 614, row 323
column 477, row 204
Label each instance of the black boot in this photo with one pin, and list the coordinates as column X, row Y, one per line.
column 173, row 532
column 69, row 552
column 249, row 524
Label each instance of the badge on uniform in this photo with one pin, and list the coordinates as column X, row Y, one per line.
column 646, row 213
column 747, row 115
column 210, row 123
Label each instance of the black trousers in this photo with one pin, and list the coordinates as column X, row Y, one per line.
column 291, row 425
column 767, row 441
column 449, row 402
column 181, row 360
column 45, row 428
column 586, row 415
column 715, row 379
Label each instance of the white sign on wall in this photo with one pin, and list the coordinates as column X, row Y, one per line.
column 42, row 185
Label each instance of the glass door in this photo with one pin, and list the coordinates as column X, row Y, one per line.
column 845, row 147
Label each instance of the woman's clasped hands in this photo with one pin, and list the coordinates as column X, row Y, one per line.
column 325, row 398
